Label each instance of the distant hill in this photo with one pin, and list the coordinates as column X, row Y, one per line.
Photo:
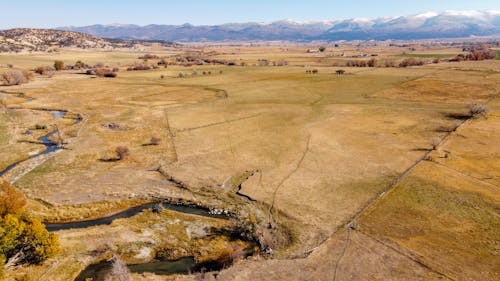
column 29, row 39
column 448, row 24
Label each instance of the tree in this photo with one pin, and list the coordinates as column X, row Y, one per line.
column 22, row 239
column 39, row 244
column 435, row 143
column 59, row 65
column 119, row 271
column 322, row 49
column 11, row 200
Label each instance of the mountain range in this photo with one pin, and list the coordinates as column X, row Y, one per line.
column 447, row 24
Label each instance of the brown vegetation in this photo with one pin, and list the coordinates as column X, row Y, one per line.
column 122, row 152
column 411, row 62
column 148, row 57
column 16, row 77
column 478, row 110
column 44, row 70
column 139, row 67
column 58, row 65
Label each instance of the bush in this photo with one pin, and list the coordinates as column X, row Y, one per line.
column 58, row 65
column 80, row 64
column 103, row 72
column 389, row 63
column 16, row 77
column 410, row 62
column 322, row 49
column 44, row 70
column 122, row 152
column 139, row 67
column 110, row 74
column 357, row 63
column 372, row 62
column 477, row 110
column 148, row 57
column 155, row 141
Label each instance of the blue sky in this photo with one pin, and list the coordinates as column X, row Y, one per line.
column 53, row 13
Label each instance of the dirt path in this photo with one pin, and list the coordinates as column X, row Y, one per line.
column 297, row 166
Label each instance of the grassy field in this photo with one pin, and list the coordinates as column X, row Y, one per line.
column 431, row 56
column 325, row 147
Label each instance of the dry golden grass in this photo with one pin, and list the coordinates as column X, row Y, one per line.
column 325, row 146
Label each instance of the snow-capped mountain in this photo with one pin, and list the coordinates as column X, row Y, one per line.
column 447, row 24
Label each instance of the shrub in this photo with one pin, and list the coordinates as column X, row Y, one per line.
column 322, row 49
column 80, row 64
column 410, row 62
column 58, row 65
column 139, row 67
column 357, row 63
column 478, row 110
column 389, row 63
column 122, row 152
column 104, row 72
column 372, row 62
column 148, row 57
column 44, row 70
column 110, row 74
column 155, row 141
column 16, row 77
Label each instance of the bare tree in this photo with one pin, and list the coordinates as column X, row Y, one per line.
column 60, row 137
column 435, row 143
column 119, row 271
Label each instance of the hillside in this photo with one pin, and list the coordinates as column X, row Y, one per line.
column 447, row 24
column 30, row 39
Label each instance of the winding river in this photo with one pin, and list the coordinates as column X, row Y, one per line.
column 192, row 210
column 99, row 271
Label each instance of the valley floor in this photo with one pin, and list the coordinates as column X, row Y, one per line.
column 342, row 167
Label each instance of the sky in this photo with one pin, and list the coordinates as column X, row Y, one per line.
column 57, row 13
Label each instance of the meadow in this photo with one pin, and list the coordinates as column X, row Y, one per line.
column 379, row 173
